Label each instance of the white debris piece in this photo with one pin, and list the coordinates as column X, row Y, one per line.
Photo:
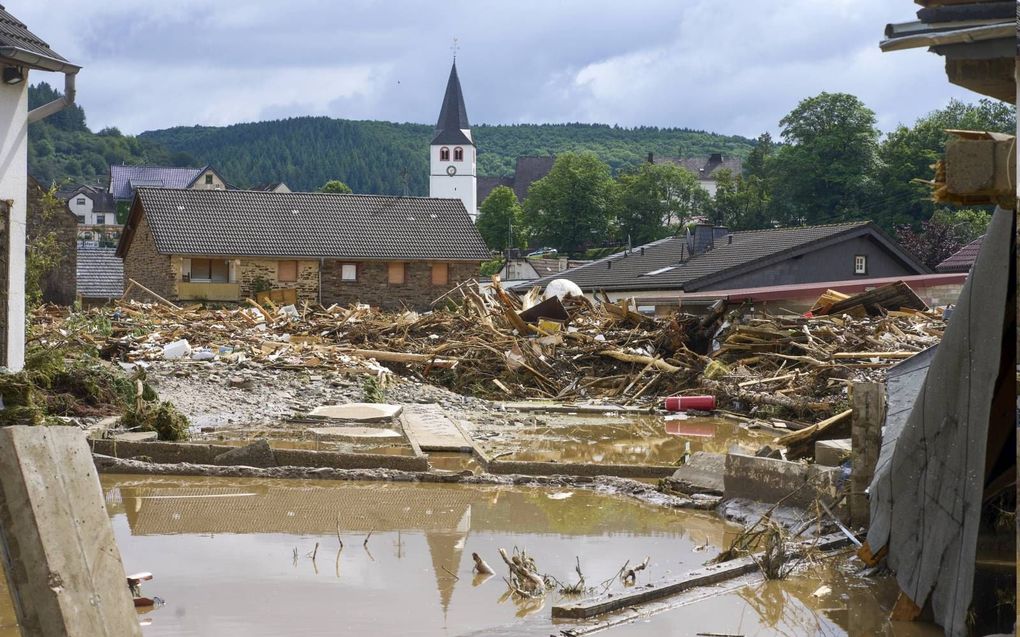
column 176, row 349
column 562, row 288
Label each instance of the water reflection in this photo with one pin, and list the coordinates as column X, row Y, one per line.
column 239, row 557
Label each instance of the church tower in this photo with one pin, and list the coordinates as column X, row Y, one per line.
column 452, row 160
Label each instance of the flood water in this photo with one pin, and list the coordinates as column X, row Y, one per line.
column 234, row 557
column 646, row 440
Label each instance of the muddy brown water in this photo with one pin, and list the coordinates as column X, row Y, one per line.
column 234, row 557
column 619, row 439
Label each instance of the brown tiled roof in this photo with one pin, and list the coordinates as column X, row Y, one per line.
column 305, row 225
column 962, row 259
column 18, row 43
column 666, row 264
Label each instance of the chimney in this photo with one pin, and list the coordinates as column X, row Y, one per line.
column 703, row 238
column 563, row 264
column 719, row 233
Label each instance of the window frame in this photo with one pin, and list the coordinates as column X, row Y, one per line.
column 389, row 273
column 344, row 279
column 444, row 153
column 297, row 268
column 446, row 274
column 101, row 219
column 79, row 201
column 81, row 219
column 458, row 154
column 211, row 278
column 208, row 179
column 860, row 264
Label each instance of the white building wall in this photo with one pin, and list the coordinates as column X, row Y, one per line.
column 462, row 185
column 81, row 209
column 14, row 189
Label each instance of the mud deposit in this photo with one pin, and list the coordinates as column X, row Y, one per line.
column 235, row 556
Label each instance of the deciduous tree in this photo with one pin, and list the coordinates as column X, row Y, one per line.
column 499, row 220
column 574, row 206
column 656, row 199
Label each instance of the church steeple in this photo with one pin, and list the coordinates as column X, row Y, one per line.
column 453, row 126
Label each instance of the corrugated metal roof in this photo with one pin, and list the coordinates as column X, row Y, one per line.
column 309, row 225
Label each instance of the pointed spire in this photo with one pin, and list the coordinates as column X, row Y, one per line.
column 453, row 119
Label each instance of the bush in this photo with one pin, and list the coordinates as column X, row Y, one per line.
column 168, row 423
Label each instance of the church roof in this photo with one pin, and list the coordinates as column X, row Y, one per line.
column 453, row 119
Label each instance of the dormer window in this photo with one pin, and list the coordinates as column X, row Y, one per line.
column 444, row 154
column 458, row 154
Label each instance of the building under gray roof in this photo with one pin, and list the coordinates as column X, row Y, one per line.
column 711, row 257
column 124, row 179
column 241, row 223
column 703, row 167
column 453, row 119
column 528, row 170
column 100, row 273
column 19, row 44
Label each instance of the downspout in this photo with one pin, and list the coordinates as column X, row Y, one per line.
column 322, row 263
column 57, row 105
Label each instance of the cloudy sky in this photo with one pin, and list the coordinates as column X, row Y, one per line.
column 729, row 66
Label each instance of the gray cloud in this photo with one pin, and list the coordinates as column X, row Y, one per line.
column 729, row 66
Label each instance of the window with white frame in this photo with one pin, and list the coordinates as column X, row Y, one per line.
column 80, row 201
column 860, row 264
column 349, row 272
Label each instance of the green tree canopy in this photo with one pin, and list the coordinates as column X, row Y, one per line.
column 574, row 206
column 655, row 199
column 824, row 172
column 337, row 186
column 499, row 219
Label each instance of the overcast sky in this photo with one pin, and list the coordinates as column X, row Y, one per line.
column 728, row 66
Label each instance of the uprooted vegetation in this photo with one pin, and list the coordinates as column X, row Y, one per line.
column 61, row 381
column 489, row 346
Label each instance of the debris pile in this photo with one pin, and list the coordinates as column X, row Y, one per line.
column 495, row 345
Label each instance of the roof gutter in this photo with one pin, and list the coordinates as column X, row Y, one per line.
column 57, row 105
column 957, row 36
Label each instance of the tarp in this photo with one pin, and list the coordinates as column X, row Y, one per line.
column 929, row 481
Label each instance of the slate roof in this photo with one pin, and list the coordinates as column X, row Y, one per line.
column 529, row 169
column 748, row 250
column 305, row 225
column 706, row 166
column 124, row 179
column 453, row 119
column 962, row 259
column 100, row 273
column 102, row 201
column 18, row 43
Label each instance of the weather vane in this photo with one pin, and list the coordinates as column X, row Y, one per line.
column 455, row 48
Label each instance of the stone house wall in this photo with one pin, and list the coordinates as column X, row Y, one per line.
column 307, row 284
column 373, row 287
column 58, row 285
column 143, row 263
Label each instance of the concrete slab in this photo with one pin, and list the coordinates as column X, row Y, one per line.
column 432, row 430
column 359, row 412
column 62, row 564
column 831, row 453
column 703, row 473
column 136, row 436
column 355, row 433
column 770, row 480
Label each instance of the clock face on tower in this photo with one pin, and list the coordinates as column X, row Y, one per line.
column 451, row 170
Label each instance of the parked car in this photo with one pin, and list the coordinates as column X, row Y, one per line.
column 544, row 252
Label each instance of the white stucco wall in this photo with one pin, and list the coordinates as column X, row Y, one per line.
column 462, row 185
column 14, row 189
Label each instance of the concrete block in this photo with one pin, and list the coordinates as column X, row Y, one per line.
column 703, row 473
column 359, row 412
column 63, row 567
column 769, row 480
column 831, row 453
column 257, row 454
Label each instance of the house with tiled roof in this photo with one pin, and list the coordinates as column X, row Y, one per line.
column 100, row 275
column 705, row 168
column 226, row 245
column 124, row 180
column 528, row 170
column 92, row 205
column 23, row 54
column 713, row 258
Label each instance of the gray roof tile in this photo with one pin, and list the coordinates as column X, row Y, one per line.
column 16, row 41
column 308, row 224
column 124, row 179
column 634, row 270
column 100, row 273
